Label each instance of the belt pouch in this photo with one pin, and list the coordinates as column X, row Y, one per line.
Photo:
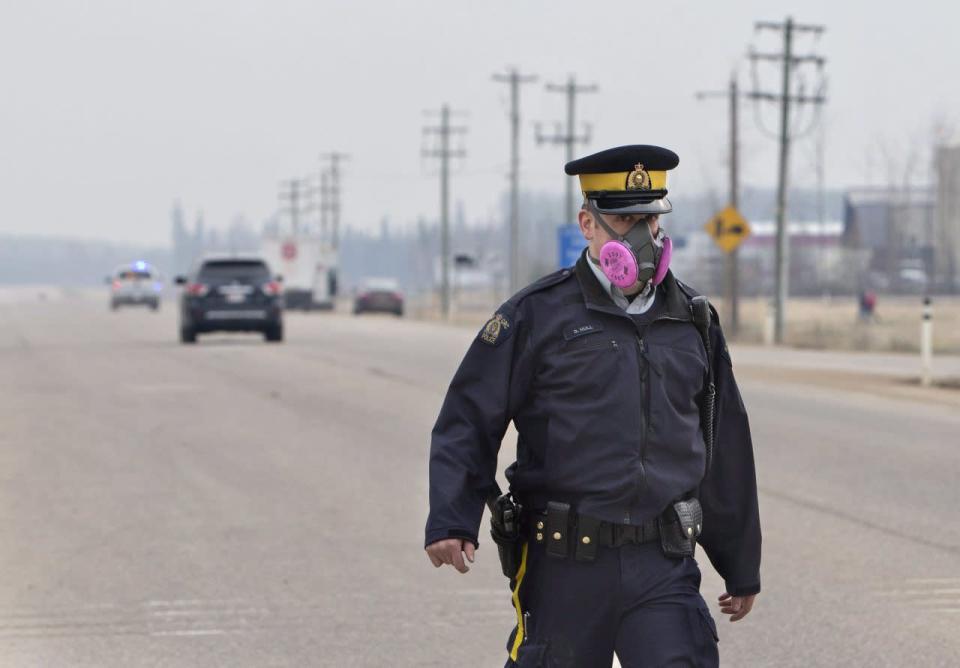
column 558, row 528
column 680, row 526
column 587, row 530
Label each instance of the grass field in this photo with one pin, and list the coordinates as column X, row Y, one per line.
column 820, row 323
column 832, row 323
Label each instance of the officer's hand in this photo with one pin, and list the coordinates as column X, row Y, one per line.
column 738, row 606
column 448, row 551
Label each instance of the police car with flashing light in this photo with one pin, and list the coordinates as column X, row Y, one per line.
column 231, row 294
column 137, row 283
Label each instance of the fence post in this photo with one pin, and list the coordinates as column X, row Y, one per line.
column 926, row 343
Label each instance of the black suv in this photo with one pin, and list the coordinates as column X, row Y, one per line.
column 234, row 294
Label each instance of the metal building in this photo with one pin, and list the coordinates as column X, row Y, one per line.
column 896, row 227
column 947, row 237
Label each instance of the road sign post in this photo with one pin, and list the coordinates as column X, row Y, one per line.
column 728, row 229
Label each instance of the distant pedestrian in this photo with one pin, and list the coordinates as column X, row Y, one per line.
column 868, row 304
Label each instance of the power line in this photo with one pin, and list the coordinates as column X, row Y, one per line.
column 514, row 78
column 444, row 153
column 569, row 138
column 786, row 97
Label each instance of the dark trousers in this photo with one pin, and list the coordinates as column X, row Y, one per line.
column 632, row 599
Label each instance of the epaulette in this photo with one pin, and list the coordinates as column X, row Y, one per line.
column 686, row 289
column 500, row 327
column 541, row 284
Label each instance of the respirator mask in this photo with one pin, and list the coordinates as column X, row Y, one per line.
column 635, row 256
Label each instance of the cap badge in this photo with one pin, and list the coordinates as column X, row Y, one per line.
column 638, row 179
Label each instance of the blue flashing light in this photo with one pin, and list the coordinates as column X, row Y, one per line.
column 140, row 264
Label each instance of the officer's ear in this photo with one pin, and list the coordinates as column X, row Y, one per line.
column 587, row 225
column 653, row 222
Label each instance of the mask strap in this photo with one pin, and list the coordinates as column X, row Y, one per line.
column 603, row 224
column 656, row 241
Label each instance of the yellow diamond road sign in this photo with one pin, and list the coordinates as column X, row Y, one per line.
column 728, row 229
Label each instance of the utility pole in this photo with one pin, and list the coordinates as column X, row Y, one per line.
column 782, row 254
column 291, row 192
column 444, row 153
column 568, row 138
column 333, row 190
column 782, row 260
column 731, row 259
column 514, row 78
column 324, row 206
column 821, row 193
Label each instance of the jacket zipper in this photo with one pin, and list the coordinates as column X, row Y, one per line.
column 644, row 371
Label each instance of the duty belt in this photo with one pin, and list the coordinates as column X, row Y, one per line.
column 558, row 528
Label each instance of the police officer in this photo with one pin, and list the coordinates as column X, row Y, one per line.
column 633, row 444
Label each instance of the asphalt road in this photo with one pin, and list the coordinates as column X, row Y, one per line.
column 243, row 504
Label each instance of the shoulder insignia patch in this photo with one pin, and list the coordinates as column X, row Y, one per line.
column 495, row 330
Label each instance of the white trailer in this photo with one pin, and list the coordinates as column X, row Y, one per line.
column 308, row 267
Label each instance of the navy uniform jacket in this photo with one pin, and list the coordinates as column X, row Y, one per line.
column 607, row 420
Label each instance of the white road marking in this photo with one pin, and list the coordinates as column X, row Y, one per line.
column 182, row 617
column 921, row 592
column 162, row 387
column 207, row 632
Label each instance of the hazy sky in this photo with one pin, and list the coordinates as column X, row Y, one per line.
column 111, row 110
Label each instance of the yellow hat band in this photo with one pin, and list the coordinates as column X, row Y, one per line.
column 617, row 181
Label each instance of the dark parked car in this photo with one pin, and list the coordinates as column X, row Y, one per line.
column 379, row 294
column 235, row 294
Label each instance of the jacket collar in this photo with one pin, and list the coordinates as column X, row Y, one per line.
column 676, row 306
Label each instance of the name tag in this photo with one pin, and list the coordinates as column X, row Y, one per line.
column 581, row 330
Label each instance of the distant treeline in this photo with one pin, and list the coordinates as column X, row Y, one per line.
column 50, row 261
column 407, row 252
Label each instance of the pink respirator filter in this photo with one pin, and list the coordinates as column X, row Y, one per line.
column 618, row 264
column 664, row 262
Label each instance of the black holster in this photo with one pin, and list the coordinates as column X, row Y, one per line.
column 680, row 526
column 505, row 531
